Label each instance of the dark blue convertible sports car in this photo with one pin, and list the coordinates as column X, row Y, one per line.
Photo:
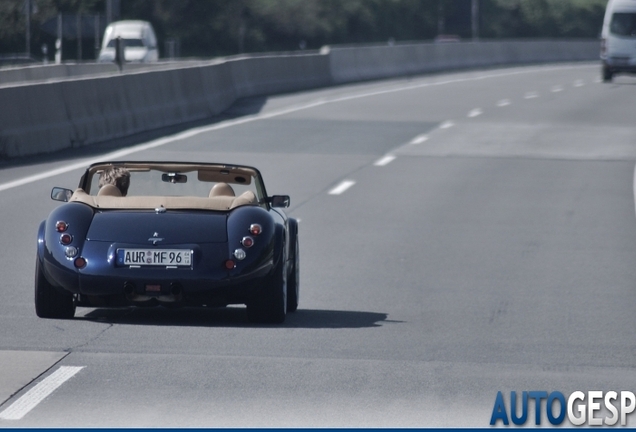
column 168, row 233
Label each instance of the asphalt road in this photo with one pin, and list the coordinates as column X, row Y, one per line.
column 484, row 241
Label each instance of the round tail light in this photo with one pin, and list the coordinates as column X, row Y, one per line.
column 229, row 264
column 61, row 226
column 247, row 242
column 256, row 229
column 80, row 262
column 66, row 239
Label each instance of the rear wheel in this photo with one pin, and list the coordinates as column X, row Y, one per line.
column 270, row 305
column 293, row 281
column 607, row 74
column 49, row 302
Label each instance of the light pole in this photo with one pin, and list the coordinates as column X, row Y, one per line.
column 474, row 13
column 28, row 27
column 440, row 18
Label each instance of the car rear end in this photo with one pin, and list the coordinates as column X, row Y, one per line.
column 152, row 257
column 618, row 43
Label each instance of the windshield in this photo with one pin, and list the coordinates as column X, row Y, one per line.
column 136, row 43
column 179, row 180
column 623, row 24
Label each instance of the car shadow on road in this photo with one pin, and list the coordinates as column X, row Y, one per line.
column 234, row 317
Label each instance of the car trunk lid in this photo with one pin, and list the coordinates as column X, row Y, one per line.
column 149, row 227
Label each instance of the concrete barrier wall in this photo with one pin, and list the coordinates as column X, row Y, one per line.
column 270, row 75
column 64, row 113
column 350, row 64
column 33, row 120
column 41, row 73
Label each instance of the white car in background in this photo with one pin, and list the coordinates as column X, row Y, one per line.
column 140, row 42
column 618, row 44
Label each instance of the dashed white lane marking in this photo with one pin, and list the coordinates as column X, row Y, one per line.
column 446, row 125
column 531, row 95
column 503, row 103
column 33, row 397
column 343, row 186
column 419, row 139
column 579, row 83
column 557, row 89
column 385, row 160
column 474, row 113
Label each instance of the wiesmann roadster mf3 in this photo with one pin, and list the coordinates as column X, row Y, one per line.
column 183, row 234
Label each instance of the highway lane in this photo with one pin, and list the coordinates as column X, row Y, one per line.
column 495, row 252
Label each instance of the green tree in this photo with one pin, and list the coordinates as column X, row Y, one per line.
column 207, row 28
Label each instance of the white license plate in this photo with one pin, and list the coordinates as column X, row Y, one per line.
column 154, row 257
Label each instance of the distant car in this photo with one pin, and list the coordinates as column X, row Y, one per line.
column 186, row 234
column 140, row 42
column 618, row 43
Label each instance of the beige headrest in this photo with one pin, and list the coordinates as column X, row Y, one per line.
column 109, row 190
column 221, row 189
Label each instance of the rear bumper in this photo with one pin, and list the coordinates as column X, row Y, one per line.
column 136, row 286
column 192, row 283
column 619, row 66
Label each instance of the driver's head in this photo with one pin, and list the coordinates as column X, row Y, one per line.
column 116, row 176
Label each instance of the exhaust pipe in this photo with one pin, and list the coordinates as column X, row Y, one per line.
column 175, row 296
column 129, row 290
column 177, row 291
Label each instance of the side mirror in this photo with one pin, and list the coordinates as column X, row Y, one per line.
column 280, row 201
column 61, row 194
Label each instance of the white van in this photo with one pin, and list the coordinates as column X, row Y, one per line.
column 140, row 42
column 618, row 44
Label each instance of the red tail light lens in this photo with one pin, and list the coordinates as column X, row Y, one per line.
column 80, row 262
column 229, row 264
column 61, row 226
column 247, row 242
column 66, row 239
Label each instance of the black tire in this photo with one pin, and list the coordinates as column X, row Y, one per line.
column 607, row 74
column 293, row 280
column 49, row 302
column 270, row 305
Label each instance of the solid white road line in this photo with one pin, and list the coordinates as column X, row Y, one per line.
column 503, row 103
column 474, row 113
column 385, row 160
column 419, row 139
column 343, row 186
column 634, row 189
column 247, row 119
column 446, row 125
column 33, row 397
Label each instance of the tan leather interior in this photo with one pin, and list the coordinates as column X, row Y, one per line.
column 222, row 189
column 109, row 190
column 219, row 203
